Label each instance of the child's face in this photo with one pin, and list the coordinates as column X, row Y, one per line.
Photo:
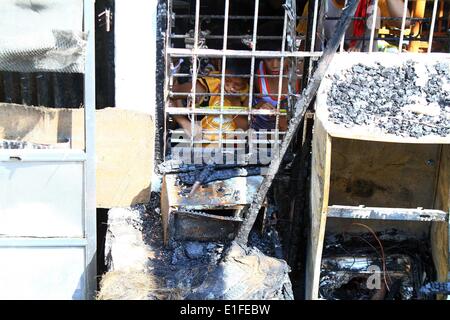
column 234, row 84
column 273, row 65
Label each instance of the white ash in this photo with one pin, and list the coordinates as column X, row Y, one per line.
column 392, row 99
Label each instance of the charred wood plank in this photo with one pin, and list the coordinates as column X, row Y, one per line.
column 300, row 109
column 418, row 214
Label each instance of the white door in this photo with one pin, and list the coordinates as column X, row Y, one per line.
column 47, row 196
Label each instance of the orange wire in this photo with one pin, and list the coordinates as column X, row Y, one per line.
column 381, row 248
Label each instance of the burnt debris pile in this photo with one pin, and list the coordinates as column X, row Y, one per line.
column 354, row 267
column 394, row 99
column 193, row 269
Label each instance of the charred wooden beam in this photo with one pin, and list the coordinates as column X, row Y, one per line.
column 418, row 214
column 300, row 109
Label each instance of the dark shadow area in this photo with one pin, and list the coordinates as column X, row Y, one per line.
column 102, row 227
column 104, row 54
column 50, row 89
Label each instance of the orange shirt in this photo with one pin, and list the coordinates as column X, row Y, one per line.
column 212, row 122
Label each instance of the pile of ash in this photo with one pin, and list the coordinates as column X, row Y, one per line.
column 392, row 99
column 184, row 265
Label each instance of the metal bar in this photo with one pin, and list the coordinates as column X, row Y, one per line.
column 185, row 36
column 194, row 68
column 314, row 26
column 183, row 94
column 402, row 32
column 42, row 242
column 280, row 82
column 300, row 109
column 319, row 25
column 235, row 17
column 185, row 75
column 206, row 111
column 224, row 65
column 412, row 38
column 90, row 167
column 387, row 19
column 200, row 150
column 234, row 132
column 237, row 133
column 227, row 141
column 374, row 24
column 433, row 21
column 182, row 52
column 292, row 47
column 351, row 212
column 252, row 76
column 341, row 49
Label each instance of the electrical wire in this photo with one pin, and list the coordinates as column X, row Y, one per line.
column 382, row 252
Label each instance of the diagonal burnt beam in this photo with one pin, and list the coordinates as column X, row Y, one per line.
column 300, row 109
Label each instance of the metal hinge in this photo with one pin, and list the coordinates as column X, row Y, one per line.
column 105, row 19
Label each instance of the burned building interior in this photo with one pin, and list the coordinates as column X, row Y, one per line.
column 215, row 210
column 204, row 201
column 358, row 208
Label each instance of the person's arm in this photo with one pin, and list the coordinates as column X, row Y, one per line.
column 182, row 120
column 242, row 121
column 282, row 120
column 185, row 89
column 283, row 123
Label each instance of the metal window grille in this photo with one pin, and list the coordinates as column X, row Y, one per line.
column 421, row 27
